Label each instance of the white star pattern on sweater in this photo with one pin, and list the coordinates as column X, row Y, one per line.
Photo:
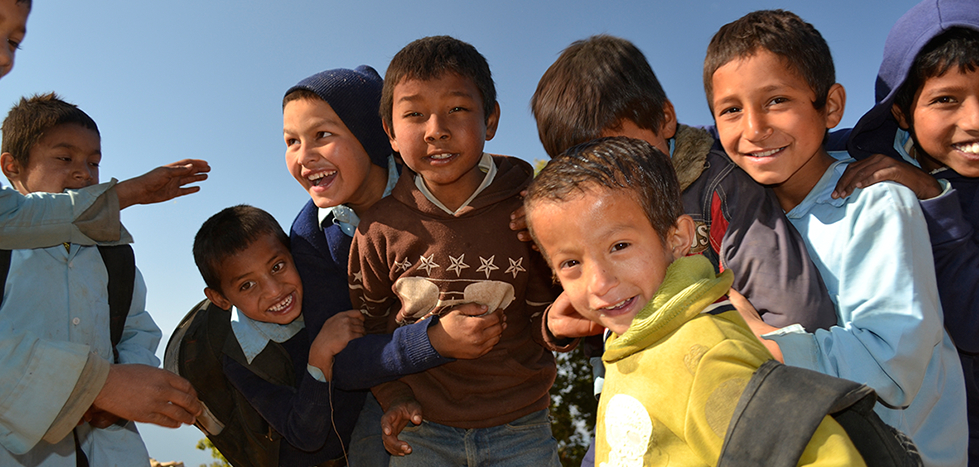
column 427, row 263
column 487, row 266
column 457, row 265
column 515, row 267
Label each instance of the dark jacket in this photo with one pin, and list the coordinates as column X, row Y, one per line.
column 953, row 218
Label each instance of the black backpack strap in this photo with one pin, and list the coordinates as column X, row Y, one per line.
column 4, row 270
column 120, row 262
column 779, row 411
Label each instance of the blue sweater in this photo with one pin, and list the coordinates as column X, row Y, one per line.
column 321, row 257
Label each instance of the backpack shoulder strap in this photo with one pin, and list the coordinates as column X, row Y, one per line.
column 779, row 411
column 120, row 262
column 4, row 270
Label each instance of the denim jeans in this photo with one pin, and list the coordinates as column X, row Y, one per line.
column 366, row 447
column 526, row 441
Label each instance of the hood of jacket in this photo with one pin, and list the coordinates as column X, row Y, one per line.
column 689, row 286
column 875, row 130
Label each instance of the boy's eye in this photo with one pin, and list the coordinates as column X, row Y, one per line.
column 457, row 109
column 323, row 134
column 291, row 141
column 94, row 164
column 278, row 266
column 569, row 264
column 778, row 100
column 13, row 44
column 943, row 100
column 246, row 286
column 620, row 246
column 729, row 110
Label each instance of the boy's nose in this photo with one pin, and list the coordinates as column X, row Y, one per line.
column 6, row 60
column 601, row 281
column 435, row 130
column 756, row 125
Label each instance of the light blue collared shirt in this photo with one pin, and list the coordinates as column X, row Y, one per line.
column 55, row 312
column 344, row 216
column 873, row 252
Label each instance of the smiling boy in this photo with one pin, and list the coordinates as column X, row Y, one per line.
column 442, row 240
column 923, row 129
column 607, row 215
column 771, row 87
column 244, row 257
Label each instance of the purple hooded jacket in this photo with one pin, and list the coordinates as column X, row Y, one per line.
column 953, row 218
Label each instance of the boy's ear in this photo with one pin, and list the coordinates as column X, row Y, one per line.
column 10, row 167
column 492, row 122
column 835, row 103
column 681, row 236
column 898, row 114
column 667, row 129
column 388, row 131
column 217, row 298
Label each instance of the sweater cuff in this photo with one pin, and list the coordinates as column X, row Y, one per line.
column 100, row 221
column 552, row 342
column 798, row 347
column 418, row 347
column 87, row 388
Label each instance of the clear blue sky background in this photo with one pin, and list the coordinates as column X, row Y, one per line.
column 204, row 79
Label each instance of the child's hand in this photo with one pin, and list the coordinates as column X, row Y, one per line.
column 98, row 418
column 564, row 322
column 333, row 337
column 755, row 323
column 162, row 183
column 878, row 168
column 395, row 419
column 518, row 223
column 467, row 331
column 149, row 395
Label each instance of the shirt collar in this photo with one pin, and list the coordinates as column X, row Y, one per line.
column 486, row 165
column 822, row 192
column 344, row 216
column 254, row 336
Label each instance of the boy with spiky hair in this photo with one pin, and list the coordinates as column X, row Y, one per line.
column 608, row 217
column 603, row 86
column 924, row 133
column 771, row 87
column 441, row 240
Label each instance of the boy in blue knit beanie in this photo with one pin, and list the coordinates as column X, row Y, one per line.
column 337, row 150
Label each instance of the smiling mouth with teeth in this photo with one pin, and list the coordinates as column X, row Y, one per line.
column 618, row 306
column 318, row 177
column 971, row 148
column 767, row 153
column 440, row 157
column 283, row 304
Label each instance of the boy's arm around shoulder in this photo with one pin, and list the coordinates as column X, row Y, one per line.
column 772, row 267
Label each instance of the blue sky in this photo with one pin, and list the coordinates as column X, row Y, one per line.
column 176, row 79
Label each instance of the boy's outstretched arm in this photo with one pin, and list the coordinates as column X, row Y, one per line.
column 91, row 214
column 163, row 183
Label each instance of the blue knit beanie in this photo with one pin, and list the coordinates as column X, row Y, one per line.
column 355, row 95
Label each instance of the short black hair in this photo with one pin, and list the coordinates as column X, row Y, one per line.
column 430, row 58
column 797, row 43
column 594, row 86
column 615, row 163
column 957, row 47
column 229, row 232
column 27, row 122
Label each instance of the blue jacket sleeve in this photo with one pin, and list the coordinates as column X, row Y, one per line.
column 302, row 416
column 956, row 252
column 379, row 358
